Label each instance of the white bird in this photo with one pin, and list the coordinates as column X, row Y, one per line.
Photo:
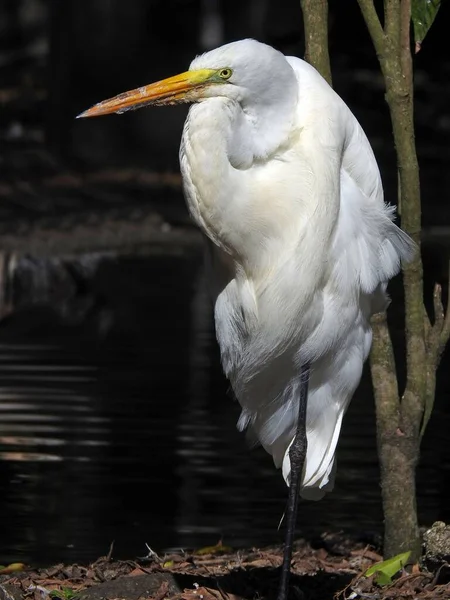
column 280, row 177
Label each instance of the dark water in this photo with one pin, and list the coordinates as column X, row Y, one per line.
column 118, row 427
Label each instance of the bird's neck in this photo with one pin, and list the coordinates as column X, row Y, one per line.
column 205, row 165
column 247, row 133
column 221, row 141
column 266, row 127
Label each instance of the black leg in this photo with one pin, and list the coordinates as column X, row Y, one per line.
column 297, row 455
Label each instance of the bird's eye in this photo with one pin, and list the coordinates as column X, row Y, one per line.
column 225, row 73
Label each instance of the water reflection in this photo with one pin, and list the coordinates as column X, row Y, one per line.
column 126, row 433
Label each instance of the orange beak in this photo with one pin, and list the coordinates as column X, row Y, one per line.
column 186, row 87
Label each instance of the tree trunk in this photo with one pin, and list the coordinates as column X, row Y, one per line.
column 399, row 450
column 315, row 17
column 398, row 459
column 400, row 421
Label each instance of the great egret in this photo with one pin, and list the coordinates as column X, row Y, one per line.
column 281, row 179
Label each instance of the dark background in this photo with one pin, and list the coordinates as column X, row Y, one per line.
column 114, row 418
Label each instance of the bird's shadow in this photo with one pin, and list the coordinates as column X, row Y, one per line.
column 263, row 582
column 226, row 583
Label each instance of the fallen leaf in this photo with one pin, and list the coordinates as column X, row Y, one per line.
column 12, row 568
column 202, row 593
column 136, row 572
column 162, row 591
column 367, row 554
column 219, row 548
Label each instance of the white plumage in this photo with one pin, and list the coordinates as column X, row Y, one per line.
column 282, row 180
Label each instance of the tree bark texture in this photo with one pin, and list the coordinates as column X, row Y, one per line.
column 398, row 451
column 401, row 421
column 315, row 18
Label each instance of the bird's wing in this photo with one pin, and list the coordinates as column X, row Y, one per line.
column 374, row 246
column 367, row 246
column 365, row 251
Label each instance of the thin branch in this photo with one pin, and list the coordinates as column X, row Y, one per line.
column 373, row 25
column 445, row 332
column 433, row 339
column 392, row 21
column 384, row 377
column 438, row 309
column 433, row 352
column 405, row 44
column 315, row 20
column 437, row 335
column 399, row 95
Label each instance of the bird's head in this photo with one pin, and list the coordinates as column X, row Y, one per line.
column 246, row 71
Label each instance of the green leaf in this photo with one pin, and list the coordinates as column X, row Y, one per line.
column 423, row 13
column 384, row 571
column 63, row 594
column 219, row 548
